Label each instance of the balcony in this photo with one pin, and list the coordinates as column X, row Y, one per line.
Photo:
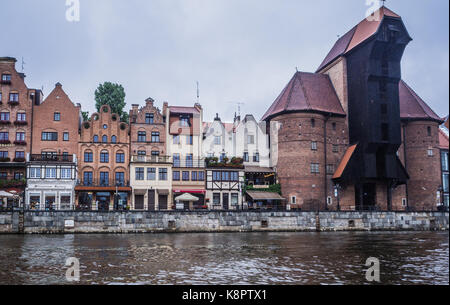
column 151, row 159
column 3, row 160
column 189, row 163
column 13, row 103
column 52, row 158
column 214, row 162
column 20, row 142
column 5, row 142
column 4, row 122
column 19, row 123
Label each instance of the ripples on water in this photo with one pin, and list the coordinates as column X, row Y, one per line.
column 247, row 258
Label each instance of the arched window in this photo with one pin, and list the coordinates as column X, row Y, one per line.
column 113, row 139
column 429, row 131
column 104, row 156
column 142, row 136
column 96, row 139
column 105, row 139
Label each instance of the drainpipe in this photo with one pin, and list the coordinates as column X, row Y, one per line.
column 325, row 155
column 406, row 164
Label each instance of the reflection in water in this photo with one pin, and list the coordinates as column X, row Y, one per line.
column 247, row 258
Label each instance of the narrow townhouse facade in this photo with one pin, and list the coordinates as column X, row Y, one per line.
column 52, row 163
column 150, row 167
column 184, row 145
column 16, row 104
column 444, row 148
column 103, row 165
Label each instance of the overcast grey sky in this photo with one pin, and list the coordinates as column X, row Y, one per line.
column 239, row 50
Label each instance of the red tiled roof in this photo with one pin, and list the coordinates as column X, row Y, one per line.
column 182, row 109
column 228, row 126
column 443, row 140
column 307, row 92
column 413, row 107
column 357, row 35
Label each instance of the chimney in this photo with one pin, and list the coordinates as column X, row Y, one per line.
column 217, row 117
column 8, row 60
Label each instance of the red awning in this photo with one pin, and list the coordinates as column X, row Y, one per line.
column 190, row 191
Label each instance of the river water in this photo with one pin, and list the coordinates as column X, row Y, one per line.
column 227, row 258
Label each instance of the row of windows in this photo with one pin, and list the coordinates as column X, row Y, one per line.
column 151, row 174
column 188, row 176
column 104, row 157
column 21, row 116
column 53, row 136
column 18, row 155
column 16, row 176
column 225, row 197
column 105, row 139
column 51, row 173
column 225, row 176
column 13, row 97
column 88, row 178
column 142, row 137
column 189, row 139
column 4, row 136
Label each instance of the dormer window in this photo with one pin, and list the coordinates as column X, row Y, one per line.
column 149, row 118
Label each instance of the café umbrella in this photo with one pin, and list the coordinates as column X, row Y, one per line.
column 4, row 194
column 186, row 197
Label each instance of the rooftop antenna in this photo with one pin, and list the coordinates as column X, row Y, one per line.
column 383, row 3
column 239, row 104
column 296, row 69
column 23, row 65
column 198, row 93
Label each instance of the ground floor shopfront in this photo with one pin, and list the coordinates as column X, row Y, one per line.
column 150, row 199
column 196, row 204
column 50, row 196
column 102, row 199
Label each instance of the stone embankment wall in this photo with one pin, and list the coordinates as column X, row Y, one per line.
column 237, row 221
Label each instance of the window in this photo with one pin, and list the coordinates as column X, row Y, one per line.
column 3, row 176
column 65, row 156
column 217, row 176
column 20, row 155
column 176, row 160
column 194, row 176
column 176, row 175
column 314, row 168
column 18, row 176
column 50, row 173
column 142, row 153
column 225, row 176
column 163, row 174
column 176, row 139
column 114, row 139
column 335, row 148
column 104, row 139
column 104, row 157
column 216, row 198
column 3, row 154
column 87, row 178
column 445, row 183
column 189, row 140
column 330, row 169
column 185, row 176
column 149, row 118
column 246, row 157
column 234, row 199
column 430, row 152
column 155, row 137
column 429, row 131
column 4, row 136
column 184, row 121
column 142, row 136
column 444, row 160
column 6, row 77
column 4, row 116
column 155, row 153
column 105, row 126
column 0, row 96
column 151, row 173
column 140, row 173
column 250, row 139
column 49, row 136
column 88, row 157
column 20, row 136
column 234, row 176
column 104, row 179
column 404, row 202
column 217, row 140
column 313, row 145
column 333, row 125
column 189, row 160
column 329, row 200
column 120, row 179
column 313, row 123
column 201, row 176
column 56, row 116
column 95, row 139
column 293, row 200
column 256, row 157
column 120, row 157
column 14, row 97
column 385, row 132
column 35, row 173
column 66, row 173
column 65, row 136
